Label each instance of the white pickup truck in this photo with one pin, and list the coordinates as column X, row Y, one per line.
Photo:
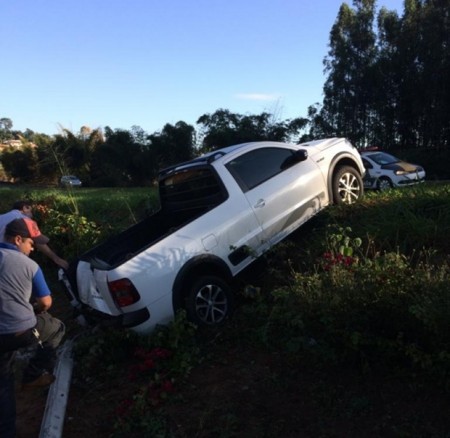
column 218, row 213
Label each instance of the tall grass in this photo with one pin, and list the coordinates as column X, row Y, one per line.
column 410, row 220
column 120, row 207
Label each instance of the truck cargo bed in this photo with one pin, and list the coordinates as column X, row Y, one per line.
column 121, row 247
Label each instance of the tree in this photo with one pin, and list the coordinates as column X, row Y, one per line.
column 6, row 123
column 432, row 97
column 73, row 152
column 174, row 144
column 5, row 128
column 223, row 128
column 389, row 77
column 391, row 88
column 120, row 160
column 350, row 63
column 20, row 164
column 318, row 126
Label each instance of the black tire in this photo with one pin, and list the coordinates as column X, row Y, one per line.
column 209, row 301
column 347, row 185
column 384, row 184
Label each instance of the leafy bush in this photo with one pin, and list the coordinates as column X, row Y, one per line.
column 378, row 310
column 72, row 232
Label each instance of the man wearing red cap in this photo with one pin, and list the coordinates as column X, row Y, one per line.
column 24, row 323
column 22, row 210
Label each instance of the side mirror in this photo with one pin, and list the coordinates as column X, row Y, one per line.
column 301, row 155
column 296, row 157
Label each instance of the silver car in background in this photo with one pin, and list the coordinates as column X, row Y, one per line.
column 70, row 181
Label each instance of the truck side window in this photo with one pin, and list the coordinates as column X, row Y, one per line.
column 191, row 188
column 255, row 167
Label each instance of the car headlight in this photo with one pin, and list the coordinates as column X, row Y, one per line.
column 400, row 172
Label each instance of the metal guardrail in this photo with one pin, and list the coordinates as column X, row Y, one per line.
column 55, row 409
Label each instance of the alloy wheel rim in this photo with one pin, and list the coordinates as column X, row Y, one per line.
column 211, row 304
column 349, row 188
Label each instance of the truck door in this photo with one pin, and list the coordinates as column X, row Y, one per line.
column 282, row 186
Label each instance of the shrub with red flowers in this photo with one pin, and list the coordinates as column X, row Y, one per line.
column 150, row 364
column 148, row 361
column 155, row 367
column 329, row 260
column 341, row 249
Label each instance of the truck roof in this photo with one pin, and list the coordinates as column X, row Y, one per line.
column 209, row 157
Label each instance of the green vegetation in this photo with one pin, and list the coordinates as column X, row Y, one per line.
column 75, row 220
column 345, row 323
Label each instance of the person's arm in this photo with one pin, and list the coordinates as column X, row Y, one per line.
column 45, row 249
column 41, row 293
column 42, row 304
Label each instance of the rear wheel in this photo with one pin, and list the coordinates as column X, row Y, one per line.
column 209, row 301
column 347, row 185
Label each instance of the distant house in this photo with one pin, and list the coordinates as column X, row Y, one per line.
column 15, row 144
column 11, row 143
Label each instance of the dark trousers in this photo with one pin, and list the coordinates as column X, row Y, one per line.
column 51, row 332
column 7, row 397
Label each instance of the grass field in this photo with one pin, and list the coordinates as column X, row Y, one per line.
column 96, row 204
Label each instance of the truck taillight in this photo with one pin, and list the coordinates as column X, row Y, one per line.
column 123, row 292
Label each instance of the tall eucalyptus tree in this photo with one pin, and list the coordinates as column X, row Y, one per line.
column 351, row 66
column 389, row 78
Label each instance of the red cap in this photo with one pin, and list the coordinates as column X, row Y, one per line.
column 26, row 228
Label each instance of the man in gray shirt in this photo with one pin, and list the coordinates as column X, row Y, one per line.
column 24, row 321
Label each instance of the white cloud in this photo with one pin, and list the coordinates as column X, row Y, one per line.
column 258, row 96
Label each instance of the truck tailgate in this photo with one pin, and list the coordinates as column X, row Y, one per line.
column 93, row 289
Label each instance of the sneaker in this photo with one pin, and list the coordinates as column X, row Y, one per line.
column 43, row 380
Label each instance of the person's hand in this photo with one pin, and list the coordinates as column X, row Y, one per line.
column 47, row 251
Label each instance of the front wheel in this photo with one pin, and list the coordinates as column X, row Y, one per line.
column 384, row 184
column 347, row 185
column 209, row 301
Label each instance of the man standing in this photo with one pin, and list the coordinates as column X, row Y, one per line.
column 23, row 323
column 24, row 209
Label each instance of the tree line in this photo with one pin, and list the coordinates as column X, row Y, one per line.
column 388, row 76
column 118, row 157
column 387, row 84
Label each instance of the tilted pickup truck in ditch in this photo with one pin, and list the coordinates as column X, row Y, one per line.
column 218, row 213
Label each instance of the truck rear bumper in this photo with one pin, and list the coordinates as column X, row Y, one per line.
column 135, row 318
column 93, row 316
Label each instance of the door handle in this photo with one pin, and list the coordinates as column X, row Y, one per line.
column 260, row 203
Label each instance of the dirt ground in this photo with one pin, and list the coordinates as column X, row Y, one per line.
column 244, row 393
column 30, row 410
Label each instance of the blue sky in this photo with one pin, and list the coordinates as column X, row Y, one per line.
column 119, row 63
